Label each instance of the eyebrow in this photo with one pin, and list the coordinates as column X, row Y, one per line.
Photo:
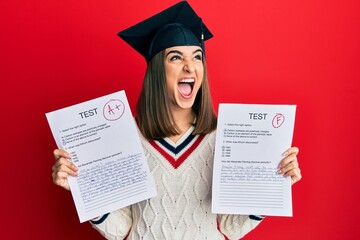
column 180, row 53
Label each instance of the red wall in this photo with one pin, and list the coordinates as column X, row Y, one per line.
column 57, row 53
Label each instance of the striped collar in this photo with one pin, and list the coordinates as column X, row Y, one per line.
column 177, row 153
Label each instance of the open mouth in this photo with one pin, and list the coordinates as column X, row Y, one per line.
column 186, row 86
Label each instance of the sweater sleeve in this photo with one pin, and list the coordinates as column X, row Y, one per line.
column 114, row 225
column 237, row 226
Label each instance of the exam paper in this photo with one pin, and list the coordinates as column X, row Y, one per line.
column 102, row 138
column 250, row 140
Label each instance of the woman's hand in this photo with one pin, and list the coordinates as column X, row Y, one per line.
column 63, row 168
column 289, row 165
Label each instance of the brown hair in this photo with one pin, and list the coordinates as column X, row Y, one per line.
column 153, row 111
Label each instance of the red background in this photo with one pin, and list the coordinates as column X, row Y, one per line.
column 58, row 53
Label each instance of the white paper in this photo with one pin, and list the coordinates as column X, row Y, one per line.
column 250, row 140
column 102, row 138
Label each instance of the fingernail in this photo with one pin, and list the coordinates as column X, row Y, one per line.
column 285, row 153
column 74, row 167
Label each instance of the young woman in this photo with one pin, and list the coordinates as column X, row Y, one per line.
column 176, row 124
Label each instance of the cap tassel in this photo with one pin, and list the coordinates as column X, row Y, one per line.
column 202, row 37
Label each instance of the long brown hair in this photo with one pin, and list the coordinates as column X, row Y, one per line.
column 153, row 111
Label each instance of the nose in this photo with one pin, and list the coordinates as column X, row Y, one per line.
column 189, row 66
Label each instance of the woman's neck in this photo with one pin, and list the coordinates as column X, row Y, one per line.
column 184, row 119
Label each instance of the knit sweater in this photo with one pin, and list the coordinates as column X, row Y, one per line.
column 182, row 173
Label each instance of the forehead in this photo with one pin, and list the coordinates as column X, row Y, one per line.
column 184, row 49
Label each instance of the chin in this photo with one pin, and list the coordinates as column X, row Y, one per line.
column 185, row 104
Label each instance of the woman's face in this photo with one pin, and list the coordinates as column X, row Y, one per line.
column 184, row 72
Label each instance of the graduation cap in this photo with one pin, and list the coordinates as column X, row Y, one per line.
column 178, row 25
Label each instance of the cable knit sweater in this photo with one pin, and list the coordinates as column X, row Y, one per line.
column 182, row 207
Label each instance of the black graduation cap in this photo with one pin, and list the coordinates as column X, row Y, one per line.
column 178, row 25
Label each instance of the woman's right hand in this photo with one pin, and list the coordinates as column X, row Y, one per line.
column 63, row 168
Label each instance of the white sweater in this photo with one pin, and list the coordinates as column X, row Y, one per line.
column 182, row 207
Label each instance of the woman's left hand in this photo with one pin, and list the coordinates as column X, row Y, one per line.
column 289, row 165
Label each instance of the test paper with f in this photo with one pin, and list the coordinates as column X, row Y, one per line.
column 250, row 141
column 102, row 138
